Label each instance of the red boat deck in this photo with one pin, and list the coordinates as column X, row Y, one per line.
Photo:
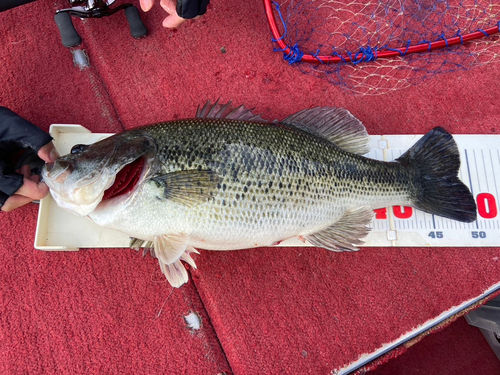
column 265, row 311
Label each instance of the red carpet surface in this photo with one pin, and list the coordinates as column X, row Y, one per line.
column 458, row 349
column 280, row 310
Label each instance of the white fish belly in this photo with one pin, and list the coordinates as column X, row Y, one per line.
column 216, row 226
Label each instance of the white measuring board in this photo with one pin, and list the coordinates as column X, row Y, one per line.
column 394, row 226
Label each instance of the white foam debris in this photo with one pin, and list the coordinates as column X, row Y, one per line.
column 193, row 321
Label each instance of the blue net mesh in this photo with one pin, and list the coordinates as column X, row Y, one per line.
column 359, row 32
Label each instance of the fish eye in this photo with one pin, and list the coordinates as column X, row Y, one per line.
column 76, row 149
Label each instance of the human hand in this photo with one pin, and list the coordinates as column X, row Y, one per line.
column 173, row 20
column 190, row 9
column 31, row 188
column 23, row 146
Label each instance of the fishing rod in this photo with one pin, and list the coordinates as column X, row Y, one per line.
column 85, row 9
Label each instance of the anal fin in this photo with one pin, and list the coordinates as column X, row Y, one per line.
column 346, row 233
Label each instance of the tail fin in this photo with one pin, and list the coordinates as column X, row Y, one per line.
column 435, row 161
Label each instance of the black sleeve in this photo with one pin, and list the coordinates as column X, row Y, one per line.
column 9, row 182
column 16, row 134
column 191, row 8
column 15, row 129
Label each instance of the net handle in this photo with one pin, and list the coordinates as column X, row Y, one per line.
column 424, row 47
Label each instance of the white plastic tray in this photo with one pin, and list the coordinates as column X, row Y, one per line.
column 480, row 170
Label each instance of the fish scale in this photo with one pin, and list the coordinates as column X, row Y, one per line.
column 238, row 182
column 274, row 182
column 278, row 154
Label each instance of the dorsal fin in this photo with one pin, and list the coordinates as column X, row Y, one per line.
column 227, row 111
column 337, row 125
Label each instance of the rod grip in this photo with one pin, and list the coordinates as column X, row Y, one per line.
column 9, row 4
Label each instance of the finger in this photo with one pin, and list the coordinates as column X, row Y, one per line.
column 33, row 190
column 14, row 202
column 25, row 171
column 48, row 153
column 173, row 21
column 35, row 178
column 146, row 5
column 169, row 6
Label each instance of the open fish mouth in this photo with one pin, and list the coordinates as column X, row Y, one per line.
column 90, row 174
column 82, row 195
column 126, row 179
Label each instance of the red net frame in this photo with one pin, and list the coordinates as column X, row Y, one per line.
column 402, row 51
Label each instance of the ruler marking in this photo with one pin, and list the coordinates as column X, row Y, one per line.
column 495, row 183
column 496, row 179
column 476, row 170
column 494, row 175
column 480, row 170
column 485, row 173
column 470, row 178
column 468, row 171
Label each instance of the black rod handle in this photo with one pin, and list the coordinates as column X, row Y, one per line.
column 9, row 4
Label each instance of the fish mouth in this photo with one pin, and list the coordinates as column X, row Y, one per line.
column 126, row 179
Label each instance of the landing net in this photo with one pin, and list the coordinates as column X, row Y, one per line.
column 374, row 47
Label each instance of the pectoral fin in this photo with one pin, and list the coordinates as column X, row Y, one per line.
column 189, row 187
column 345, row 234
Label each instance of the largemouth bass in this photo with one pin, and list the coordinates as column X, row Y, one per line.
column 229, row 180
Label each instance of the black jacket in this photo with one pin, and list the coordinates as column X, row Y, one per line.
column 16, row 134
column 191, row 8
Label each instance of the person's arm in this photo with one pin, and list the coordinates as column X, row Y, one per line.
column 179, row 10
column 15, row 129
column 20, row 187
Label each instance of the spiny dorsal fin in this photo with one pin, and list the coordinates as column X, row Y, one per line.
column 345, row 234
column 337, row 125
column 189, row 187
column 227, row 111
